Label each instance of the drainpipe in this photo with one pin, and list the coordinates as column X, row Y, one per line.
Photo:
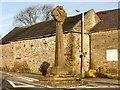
column 90, row 48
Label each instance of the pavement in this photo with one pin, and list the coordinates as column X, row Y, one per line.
column 13, row 80
column 103, row 81
column 28, row 80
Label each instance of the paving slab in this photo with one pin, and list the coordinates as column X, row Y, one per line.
column 103, row 81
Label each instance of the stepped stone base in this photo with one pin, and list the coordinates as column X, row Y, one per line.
column 58, row 71
column 61, row 81
column 58, row 78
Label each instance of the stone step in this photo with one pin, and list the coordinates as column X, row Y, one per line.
column 60, row 78
column 57, row 83
column 56, row 79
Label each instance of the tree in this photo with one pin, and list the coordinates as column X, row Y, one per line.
column 45, row 11
column 33, row 15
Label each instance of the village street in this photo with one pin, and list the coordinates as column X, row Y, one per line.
column 60, row 46
column 10, row 80
column 13, row 80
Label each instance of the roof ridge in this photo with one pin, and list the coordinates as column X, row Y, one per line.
column 108, row 10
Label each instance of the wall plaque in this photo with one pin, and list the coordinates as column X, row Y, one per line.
column 112, row 55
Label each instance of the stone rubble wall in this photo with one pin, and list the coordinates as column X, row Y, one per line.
column 0, row 56
column 90, row 20
column 35, row 51
column 76, row 49
column 7, row 56
column 100, row 42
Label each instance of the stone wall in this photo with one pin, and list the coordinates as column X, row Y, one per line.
column 0, row 56
column 100, row 42
column 90, row 20
column 8, row 55
column 36, row 51
column 76, row 47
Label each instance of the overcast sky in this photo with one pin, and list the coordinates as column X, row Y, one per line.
column 9, row 9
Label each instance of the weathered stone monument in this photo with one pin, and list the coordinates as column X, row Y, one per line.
column 59, row 16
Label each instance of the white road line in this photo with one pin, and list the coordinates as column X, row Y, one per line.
column 22, row 77
column 21, row 84
column 95, row 87
column 28, row 79
column 108, row 86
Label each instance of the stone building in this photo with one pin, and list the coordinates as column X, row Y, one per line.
column 104, row 39
column 35, row 44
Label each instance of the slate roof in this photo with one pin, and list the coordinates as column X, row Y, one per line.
column 39, row 30
column 109, row 21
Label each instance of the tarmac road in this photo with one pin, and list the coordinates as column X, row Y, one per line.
column 10, row 81
column 13, row 81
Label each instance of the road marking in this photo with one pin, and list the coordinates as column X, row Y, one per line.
column 22, row 77
column 21, row 84
column 28, row 79
column 95, row 87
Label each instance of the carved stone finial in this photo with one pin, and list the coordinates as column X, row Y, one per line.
column 59, row 14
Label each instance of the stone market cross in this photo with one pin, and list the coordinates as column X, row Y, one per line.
column 59, row 16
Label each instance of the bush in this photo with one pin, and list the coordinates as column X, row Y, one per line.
column 43, row 68
column 102, row 75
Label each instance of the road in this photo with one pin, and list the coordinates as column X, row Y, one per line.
column 10, row 80
column 93, row 84
column 13, row 81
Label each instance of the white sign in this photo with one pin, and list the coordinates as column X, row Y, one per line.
column 112, row 55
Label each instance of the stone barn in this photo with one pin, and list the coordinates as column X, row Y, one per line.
column 104, row 42
column 31, row 45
